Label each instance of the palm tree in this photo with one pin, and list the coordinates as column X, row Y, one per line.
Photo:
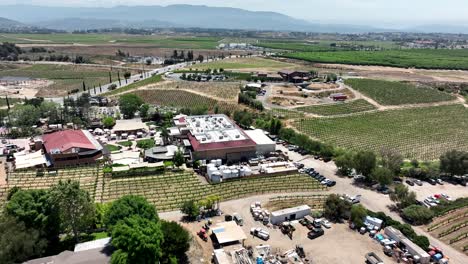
column 165, row 135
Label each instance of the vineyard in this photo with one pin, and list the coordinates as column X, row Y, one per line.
column 321, row 46
column 421, row 133
column 397, row 93
column 414, row 58
column 245, row 63
column 183, row 99
column 315, row 201
column 64, row 77
column 168, row 191
column 222, row 90
column 356, row 106
column 285, row 113
column 452, row 228
column 86, row 176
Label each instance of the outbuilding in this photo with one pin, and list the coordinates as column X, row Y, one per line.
column 264, row 144
column 289, row 214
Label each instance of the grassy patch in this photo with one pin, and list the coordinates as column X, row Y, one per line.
column 356, row 106
column 418, row 58
column 145, row 143
column 112, row 148
column 397, row 93
column 421, row 133
column 125, row 143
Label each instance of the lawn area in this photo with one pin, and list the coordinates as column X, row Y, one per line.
column 65, row 77
column 397, row 93
column 156, row 41
column 112, row 148
column 244, row 63
column 125, row 143
column 421, row 133
column 145, row 143
column 418, row 58
column 355, row 106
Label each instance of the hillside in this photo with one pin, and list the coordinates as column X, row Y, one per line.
column 172, row 15
column 9, row 24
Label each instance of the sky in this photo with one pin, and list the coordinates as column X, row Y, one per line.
column 373, row 12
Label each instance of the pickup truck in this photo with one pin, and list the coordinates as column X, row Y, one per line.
column 260, row 233
column 372, row 258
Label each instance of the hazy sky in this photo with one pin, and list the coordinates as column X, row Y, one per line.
column 382, row 12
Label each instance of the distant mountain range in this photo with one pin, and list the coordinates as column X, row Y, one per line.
column 10, row 24
column 195, row 16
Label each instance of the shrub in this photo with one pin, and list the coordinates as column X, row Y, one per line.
column 417, row 214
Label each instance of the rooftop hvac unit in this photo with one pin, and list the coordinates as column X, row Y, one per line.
column 237, row 136
column 220, row 137
column 203, row 139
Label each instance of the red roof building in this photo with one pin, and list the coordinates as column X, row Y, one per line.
column 71, row 147
column 218, row 137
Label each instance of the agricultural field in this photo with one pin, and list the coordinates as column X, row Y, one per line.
column 183, row 99
column 94, row 39
column 220, row 90
column 285, row 113
column 168, row 191
column 355, row 106
column 253, row 63
column 135, row 85
column 452, row 229
column 417, row 58
column 397, row 93
column 323, row 46
column 420, row 133
column 30, row 179
column 65, row 77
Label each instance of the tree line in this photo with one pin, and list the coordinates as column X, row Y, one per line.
column 37, row 223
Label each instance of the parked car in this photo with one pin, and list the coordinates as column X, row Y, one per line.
column 238, row 219
column 260, row 233
column 331, row 183
column 316, row 157
column 410, row 182
column 432, row 181
column 326, row 223
column 316, row 232
column 440, row 181
column 418, row 182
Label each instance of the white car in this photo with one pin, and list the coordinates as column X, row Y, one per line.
column 326, row 223
column 448, row 198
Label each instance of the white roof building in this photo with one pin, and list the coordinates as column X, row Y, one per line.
column 264, row 143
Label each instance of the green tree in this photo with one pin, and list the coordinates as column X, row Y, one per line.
column 344, row 163
column 358, row 213
column 417, row 214
column 191, row 209
column 144, row 108
column 336, row 208
column 364, row 162
column 137, row 240
column 382, row 175
column 108, row 121
column 454, row 162
column 33, row 209
column 391, row 159
column 18, row 243
column 127, row 76
column 129, row 104
column 127, row 206
column 402, row 196
column 176, row 241
column 178, row 159
column 165, row 135
column 75, row 207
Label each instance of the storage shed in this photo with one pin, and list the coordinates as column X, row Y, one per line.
column 413, row 249
column 289, row 214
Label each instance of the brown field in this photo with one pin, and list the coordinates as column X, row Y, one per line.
column 224, row 91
